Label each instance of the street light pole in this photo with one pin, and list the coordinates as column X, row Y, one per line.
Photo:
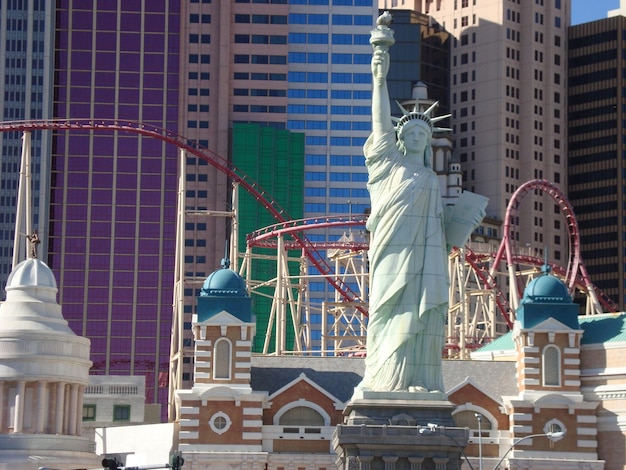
column 550, row 435
column 479, row 417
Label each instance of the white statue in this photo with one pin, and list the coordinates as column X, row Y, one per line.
column 408, row 252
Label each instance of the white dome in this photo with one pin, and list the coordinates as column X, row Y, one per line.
column 35, row 339
column 31, row 303
column 31, row 272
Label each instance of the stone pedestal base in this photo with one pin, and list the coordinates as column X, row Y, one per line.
column 399, row 431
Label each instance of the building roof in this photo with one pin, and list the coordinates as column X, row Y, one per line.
column 604, row 328
column 339, row 375
column 598, row 329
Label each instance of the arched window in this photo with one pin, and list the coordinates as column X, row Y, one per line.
column 301, row 416
column 551, row 362
column 468, row 419
column 222, row 359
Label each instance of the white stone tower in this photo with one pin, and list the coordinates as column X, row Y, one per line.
column 44, row 369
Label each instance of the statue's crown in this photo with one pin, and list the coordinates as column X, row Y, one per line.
column 408, row 116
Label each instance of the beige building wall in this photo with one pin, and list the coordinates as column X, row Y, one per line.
column 508, row 102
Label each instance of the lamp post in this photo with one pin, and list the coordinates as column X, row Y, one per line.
column 479, row 417
column 550, row 435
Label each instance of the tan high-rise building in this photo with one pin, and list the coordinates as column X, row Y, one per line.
column 508, row 102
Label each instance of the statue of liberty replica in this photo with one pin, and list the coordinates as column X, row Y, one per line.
column 411, row 236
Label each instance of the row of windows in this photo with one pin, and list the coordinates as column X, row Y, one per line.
column 258, row 108
column 294, row 124
column 259, row 92
column 260, row 59
column 197, row 18
column 194, row 108
column 339, row 160
column 464, row 21
column 335, row 141
column 260, row 39
column 596, row 76
column 322, row 58
column 334, row 94
column 120, row 413
column 464, row 77
column 198, row 91
column 322, row 77
column 322, row 38
column 201, row 76
column 336, row 208
column 260, row 76
column 313, row 18
column 334, row 176
column 321, row 109
column 275, row 2
column 348, row 3
column 337, row 192
column 199, row 59
column 260, row 19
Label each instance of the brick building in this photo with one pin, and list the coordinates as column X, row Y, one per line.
column 555, row 372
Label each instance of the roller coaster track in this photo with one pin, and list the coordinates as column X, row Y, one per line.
column 211, row 158
column 575, row 273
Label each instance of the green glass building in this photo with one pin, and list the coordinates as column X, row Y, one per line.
column 274, row 159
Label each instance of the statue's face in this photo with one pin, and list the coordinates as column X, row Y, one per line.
column 415, row 137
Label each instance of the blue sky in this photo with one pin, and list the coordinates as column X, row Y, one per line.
column 584, row 11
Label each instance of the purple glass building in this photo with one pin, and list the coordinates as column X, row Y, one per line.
column 113, row 195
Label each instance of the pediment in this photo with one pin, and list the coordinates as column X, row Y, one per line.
column 303, row 378
column 550, row 325
column 222, row 318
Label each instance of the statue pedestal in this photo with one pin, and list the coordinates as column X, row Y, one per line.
column 399, row 431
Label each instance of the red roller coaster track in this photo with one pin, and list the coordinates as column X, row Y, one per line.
column 576, row 274
column 211, row 158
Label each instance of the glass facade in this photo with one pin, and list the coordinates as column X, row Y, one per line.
column 26, row 34
column 329, row 91
column 274, row 159
column 596, row 160
column 113, row 195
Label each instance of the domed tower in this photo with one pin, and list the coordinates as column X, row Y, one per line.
column 44, row 369
column 223, row 329
column 547, row 334
column 547, row 338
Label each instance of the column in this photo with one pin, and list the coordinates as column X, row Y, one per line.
column 19, row 407
column 441, row 463
column 2, row 425
column 366, row 461
column 390, row 462
column 66, row 405
column 416, row 463
column 79, row 407
column 42, row 406
column 58, row 415
column 73, row 408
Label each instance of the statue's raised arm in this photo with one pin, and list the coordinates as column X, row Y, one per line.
column 381, row 39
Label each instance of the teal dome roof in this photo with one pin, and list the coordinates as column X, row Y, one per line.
column 546, row 297
column 224, row 291
column 546, row 289
column 224, row 282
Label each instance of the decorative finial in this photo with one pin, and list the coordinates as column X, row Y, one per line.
column 34, row 240
column 546, row 268
column 226, row 260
